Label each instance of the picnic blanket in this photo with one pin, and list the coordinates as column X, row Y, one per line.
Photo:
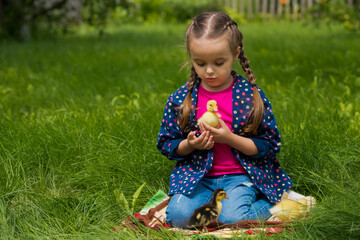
column 154, row 212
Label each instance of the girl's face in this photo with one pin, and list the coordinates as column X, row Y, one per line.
column 213, row 60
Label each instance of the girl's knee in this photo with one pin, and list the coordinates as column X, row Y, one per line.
column 258, row 210
column 233, row 215
column 178, row 213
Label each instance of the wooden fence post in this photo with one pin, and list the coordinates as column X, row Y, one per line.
column 250, row 9
column 309, row 3
column 242, row 6
column 234, row 4
column 264, row 9
column 279, row 8
column 257, row 7
column 302, row 7
column 227, row 3
column 292, row 9
column 272, row 7
column 295, row 9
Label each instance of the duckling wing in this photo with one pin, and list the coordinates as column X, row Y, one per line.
column 210, row 119
column 203, row 216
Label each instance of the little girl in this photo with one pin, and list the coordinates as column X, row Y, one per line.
column 240, row 155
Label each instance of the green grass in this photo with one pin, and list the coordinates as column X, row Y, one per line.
column 80, row 116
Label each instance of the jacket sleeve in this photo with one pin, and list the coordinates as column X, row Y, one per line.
column 170, row 135
column 268, row 141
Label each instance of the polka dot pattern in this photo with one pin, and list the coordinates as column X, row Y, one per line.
column 264, row 169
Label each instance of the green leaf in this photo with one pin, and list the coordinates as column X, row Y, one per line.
column 120, row 198
column 136, row 195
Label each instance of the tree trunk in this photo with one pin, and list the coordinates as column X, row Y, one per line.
column 24, row 30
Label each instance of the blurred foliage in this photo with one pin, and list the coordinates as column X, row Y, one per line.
column 168, row 11
column 172, row 10
column 20, row 18
column 25, row 19
column 96, row 12
column 336, row 11
column 143, row 11
column 237, row 16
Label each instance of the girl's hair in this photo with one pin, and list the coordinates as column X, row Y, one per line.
column 212, row 25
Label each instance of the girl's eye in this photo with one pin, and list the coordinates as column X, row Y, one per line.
column 219, row 64
column 200, row 64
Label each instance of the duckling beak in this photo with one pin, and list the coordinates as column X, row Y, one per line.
column 227, row 197
column 216, row 108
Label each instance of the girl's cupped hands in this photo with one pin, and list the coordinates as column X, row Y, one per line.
column 203, row 142
column 220, row 135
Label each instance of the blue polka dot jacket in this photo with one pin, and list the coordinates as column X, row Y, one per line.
column 264, row 169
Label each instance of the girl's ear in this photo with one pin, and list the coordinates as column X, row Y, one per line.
column 237, row 53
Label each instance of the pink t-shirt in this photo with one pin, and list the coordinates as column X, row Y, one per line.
column 224, row 161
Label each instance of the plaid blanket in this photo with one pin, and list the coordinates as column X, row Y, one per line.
column 153, row 216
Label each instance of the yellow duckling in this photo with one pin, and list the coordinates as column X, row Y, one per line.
column 208, row 212
column 211, row 117
column 288, row 209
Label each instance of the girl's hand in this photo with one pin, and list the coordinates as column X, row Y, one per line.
column 224, row 135
column 203, row 142
column 221, row 135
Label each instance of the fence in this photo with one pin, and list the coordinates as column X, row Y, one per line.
column 275, row 8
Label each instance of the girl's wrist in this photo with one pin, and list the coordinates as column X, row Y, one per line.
column 229, row 138
column 184, row 148
column 189, row 145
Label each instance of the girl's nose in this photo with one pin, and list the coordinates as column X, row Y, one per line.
column 209, row 70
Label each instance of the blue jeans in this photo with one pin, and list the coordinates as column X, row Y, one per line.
column 245, row 201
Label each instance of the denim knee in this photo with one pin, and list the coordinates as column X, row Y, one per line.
column 229, row 215
column 177, row 214
column 258, row 210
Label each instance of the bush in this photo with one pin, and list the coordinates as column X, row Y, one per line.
column 178, row 11
column 21, row 19
column 336, row 11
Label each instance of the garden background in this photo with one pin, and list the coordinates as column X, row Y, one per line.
column 82, row 94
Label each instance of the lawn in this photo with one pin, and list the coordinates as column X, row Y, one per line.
column 80, row 117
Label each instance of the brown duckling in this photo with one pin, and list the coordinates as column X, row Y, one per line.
column 208, row 212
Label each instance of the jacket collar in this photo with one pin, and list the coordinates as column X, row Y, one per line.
column 239, row 96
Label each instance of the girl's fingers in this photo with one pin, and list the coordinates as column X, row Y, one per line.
column 206, row 137
column 209, row 144
column 205, row 126
column 222, row 123
column 203, row 142
column 202, row 129
column 210, row 129
column 197, row 141
column 191, row 135
column 201, row 137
